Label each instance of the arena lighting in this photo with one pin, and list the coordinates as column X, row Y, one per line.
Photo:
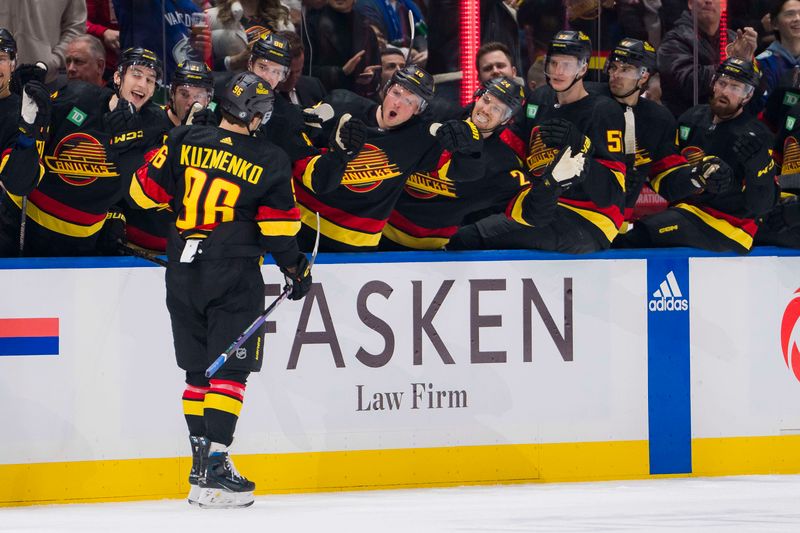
column 723, row 30
column 469, row 13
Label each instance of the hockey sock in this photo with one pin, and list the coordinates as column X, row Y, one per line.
column 193, row 399
column 222, row 406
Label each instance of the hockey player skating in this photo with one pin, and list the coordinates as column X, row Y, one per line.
column 716, row 211
column 233, row 200
column 433, row 205
column 575, row 156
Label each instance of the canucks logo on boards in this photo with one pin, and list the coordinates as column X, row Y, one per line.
column 668, row 296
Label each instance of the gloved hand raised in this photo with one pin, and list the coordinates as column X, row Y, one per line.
column 122, row 119
column 299, row 277
column 34, row 116
column 560, row 133
column 349, row 136
column 458, row 136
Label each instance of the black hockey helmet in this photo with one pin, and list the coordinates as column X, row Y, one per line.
column 746, row 72
column 507, row 91
column 272, row 47
column 246, row 96
column 7, row 43
column 570, row 43
column 140, row 56
column 416, row 80
column 634, row 52
column 193, row 73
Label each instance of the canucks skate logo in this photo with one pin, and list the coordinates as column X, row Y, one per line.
column 540, row 154
column 693, row 154
column 668, row 296
column 370, row 167
column 791, row 156
column 642, row 156
column 80, row 159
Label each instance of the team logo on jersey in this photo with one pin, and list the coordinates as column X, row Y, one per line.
column 791, row 156
column 540, row 155
column 424, row 186
column 643, row 157
column 370, row 167
column 531, row 110
column 80, row 159
column 76, row 116
column 226, row 140
column 693, row 154
column 684, row 131
column 790, row 98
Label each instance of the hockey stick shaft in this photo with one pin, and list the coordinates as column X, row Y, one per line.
column 246, row 334
column 253, row 327
column 130, row 250
column 22, row 222
column 411, row 31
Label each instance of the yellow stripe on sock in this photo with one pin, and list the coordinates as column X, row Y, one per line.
column 224, row 403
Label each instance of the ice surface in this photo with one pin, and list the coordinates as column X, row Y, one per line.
column 745, row 503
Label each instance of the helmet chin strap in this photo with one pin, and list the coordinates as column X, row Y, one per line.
column 636, row 88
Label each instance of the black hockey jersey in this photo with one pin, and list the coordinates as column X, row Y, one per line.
column 600, row 198
column 732, row 213
column 354, row 209
column 433, row 205
column 233, row 190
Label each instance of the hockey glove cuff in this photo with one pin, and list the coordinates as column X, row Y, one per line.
column 26, row 73
column 299, row 277
column 560, row 133
column 713, row 175
column 460, row 136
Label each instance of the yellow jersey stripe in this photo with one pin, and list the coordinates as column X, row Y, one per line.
column 409, row 241
column 55, row 224
column 337, row 232
column 279, row 228
column 723, row 226
column 605, row 224
column 141, row 198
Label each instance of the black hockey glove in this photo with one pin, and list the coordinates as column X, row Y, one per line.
column 713, row 175
column 25, row 73
column 752, row 152
column 459, row 136
column 34, row 116
column 122, row 119
column 299, row 276
column 540, row 204
column 784, row 216
column 349, row 136
column 560, row 133
column 112, row 234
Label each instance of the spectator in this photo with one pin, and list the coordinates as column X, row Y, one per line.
column 392, row 60
column 86, row 60
column 101, row 21
column 675, row 56
column 783, row 54
column 141, row 24
column 390, row 18
column 304, row 91
column 493, row 60
column 346, row 54
column 43, row 28
column 536, row 76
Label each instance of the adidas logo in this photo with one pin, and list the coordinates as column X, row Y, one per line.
column 226, row 140
column 668, row 296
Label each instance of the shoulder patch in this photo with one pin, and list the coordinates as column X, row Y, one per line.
column 790, row 122
column 76, row 116
column 790, row 98
column 684, row 132
column 531, row 110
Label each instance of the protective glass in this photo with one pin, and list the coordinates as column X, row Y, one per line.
column 404, row 95
column 623, row 70
column 561, row 65
column 267, row 69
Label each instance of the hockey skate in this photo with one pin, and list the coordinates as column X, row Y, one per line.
column 222, row 486
column 200, row 447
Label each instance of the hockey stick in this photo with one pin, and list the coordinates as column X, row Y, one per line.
column 130, row 250
column 260, row 319
column 22, row 222
column 411, row 31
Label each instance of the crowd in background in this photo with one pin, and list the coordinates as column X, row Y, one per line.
column 359, row 45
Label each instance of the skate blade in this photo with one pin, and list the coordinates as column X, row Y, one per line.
column 194, row 494
column 222, row 499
